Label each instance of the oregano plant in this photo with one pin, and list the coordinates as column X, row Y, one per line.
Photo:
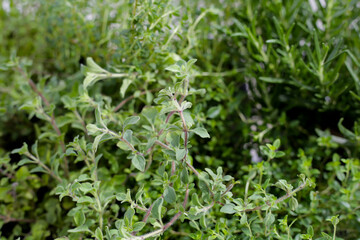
column 156, row 143
column 171, row 119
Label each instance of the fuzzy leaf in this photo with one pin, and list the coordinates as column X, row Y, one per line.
column 169, row 195
column 139, row 162
column 201, row 132
column 21, row 150
column 98, row 234
column 180, row 154
column 79, row 218
column 131, row 120
column 228, row 208
column 156, row 210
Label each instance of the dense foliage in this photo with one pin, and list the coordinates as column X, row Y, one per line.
column 179, row 119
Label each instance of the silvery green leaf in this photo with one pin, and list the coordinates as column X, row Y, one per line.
column 180, row 154
column 68, row 102
column 173, row 68
column 170, row 195
column 139, row 162
column 128, row 216
column 92, row 78
column 93, row 67
column 156, row 210
column 25, row 161
column 228, row 208
column 131, row 120
column 269, row 219
column 277, row 143
column 293, row 203
column 124, row 86
column 186, row 105
column 201, row 132
column 150, row 114
column 21, row 150
column 138, row 226
column 128, row 135
column 92, row 129
column 98, row 117
column 79, row 218
column 184, row 176
column 98, row 234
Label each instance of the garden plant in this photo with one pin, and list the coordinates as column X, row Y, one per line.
column 163, row 119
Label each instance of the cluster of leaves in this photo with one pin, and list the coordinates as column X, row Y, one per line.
column 200, row 120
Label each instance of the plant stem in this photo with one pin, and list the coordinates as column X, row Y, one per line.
column 52, row 118
column 8, row 219
column 167, row 225
column 36, row 160
column 286, row 196
column 81, row 121
column 123, row 102
column 100, row 209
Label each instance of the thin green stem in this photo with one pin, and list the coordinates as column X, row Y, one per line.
column 36, row 160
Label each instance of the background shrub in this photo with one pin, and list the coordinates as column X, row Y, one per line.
column 189, row 119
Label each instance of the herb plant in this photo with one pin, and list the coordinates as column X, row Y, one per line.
column 190, row 120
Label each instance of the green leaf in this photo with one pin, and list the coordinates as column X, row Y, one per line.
column 96, row 142
column 272, row 80
column 269, row 219
column 170, row 195
column 92, row 129
column 326, row 236
column 284, row 185
column 79, row 218
column 188, row 119
column 277, row 143
column 279, row 154
column 139, row 162
column 98, row 234
column 38, row 169
column 86, row 199
column 310, row 231
column 334, row 220
column 173, row 68
column 150, row 114
column 98, row 117
column 156, row 210
column 24, row 161
column 93, row 67
column 86, row 187
column 68, row 102
column 138, row 226
column 121, row 197
column 128, row 216
column 191, row 61
column 130, row 121
column 92, row 78
column 293, row 203
column 186, row 105
column 123, row 146
column 184, row 176
column 22, row 150
column 213, row 112
column 347, row 133
column 124, row 86
column 180, row 154
column 228, row 208
column 82, row 228
column 203, row 221
column 201, row 132
column 128, row 135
